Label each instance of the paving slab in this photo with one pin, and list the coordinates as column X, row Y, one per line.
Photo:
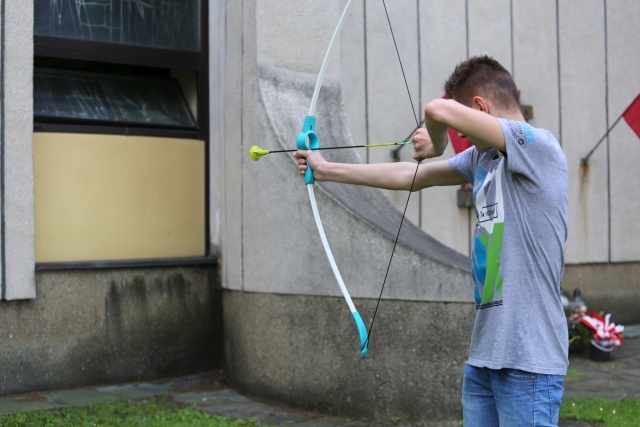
column 253, row 409
column 618, row 378
column 79, row 397
column 25, row 403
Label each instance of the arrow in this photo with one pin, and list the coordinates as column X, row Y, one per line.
column 256, row 152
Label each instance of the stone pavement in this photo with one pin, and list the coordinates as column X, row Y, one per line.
column 208, row 392
column 615, row 379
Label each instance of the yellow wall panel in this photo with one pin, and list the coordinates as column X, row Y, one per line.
column 106, row 197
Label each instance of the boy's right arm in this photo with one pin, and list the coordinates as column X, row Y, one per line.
column 390, row 176
column 477, row 124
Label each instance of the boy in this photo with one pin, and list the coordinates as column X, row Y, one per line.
column 519, row 345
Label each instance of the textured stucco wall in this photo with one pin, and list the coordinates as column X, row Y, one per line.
column 304, row 350
column 107, row 326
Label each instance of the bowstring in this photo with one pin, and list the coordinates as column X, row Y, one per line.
column 413, row 181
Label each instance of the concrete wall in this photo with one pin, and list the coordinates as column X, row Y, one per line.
column 17, row 259
column 608, row 287
column 90, row 327
column 304, row 350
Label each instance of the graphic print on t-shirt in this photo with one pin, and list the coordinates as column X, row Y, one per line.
column 488, row 237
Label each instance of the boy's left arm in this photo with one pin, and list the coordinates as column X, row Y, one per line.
column 476, row 125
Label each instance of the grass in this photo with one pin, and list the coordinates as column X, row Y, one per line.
column 572, row 373
column 155, row 413
column 163, row 413
column 609, row 413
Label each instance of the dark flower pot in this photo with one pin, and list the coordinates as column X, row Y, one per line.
column 600, row 352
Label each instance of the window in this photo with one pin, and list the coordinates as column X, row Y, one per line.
column 121, row 122
column 167, row 24
column 71, row 96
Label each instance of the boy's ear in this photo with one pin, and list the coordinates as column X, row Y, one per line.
column 479, row 103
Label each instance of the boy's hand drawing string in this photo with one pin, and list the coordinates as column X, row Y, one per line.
column 308, row 140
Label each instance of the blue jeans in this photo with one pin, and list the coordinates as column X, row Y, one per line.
column 510, row 398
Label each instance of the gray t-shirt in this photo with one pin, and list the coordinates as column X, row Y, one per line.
column 518, row 251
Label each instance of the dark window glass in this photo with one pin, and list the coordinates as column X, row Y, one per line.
column 166, row 24
column 90, row 97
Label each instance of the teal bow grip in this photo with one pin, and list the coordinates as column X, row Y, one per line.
column 364, row 336
column 308, row 140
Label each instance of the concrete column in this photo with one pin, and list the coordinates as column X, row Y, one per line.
column 16, row 131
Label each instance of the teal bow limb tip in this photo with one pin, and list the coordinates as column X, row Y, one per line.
column 364, row 336
column 308, row 140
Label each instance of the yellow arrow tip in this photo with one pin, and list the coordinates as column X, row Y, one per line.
column 256, row 152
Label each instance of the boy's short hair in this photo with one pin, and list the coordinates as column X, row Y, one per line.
column 482, row 76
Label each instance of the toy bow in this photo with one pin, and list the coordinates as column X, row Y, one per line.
column 308, row 140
